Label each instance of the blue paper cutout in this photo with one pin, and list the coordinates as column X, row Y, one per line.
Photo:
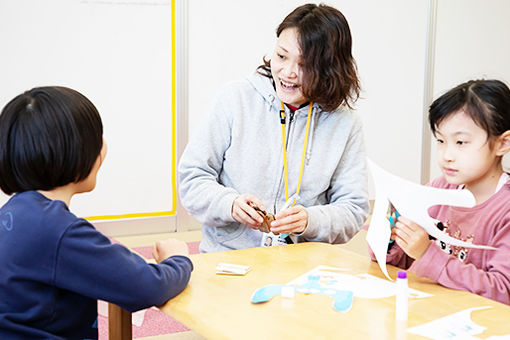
column 266, row 293
column 342, row 298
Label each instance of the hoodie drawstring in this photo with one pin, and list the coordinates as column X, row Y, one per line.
column 310, row 141
column 282, row 117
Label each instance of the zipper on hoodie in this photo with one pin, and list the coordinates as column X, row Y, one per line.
column 291, row 117
column 287, row 143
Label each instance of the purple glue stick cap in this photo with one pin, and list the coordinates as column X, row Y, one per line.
column 401, row 274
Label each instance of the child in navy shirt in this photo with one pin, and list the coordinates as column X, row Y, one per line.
column 54, row 266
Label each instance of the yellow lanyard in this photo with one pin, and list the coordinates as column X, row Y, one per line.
column 286, row 176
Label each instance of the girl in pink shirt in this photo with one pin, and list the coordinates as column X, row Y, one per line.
column 471, row 124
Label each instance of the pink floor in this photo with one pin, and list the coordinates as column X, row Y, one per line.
column 147, row 322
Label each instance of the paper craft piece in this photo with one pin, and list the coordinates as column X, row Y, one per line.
column 267, row 218
column 362, row 285
column 266, row 293
column 332, row 281
column 231, row 269
column 412, row 201
column 287, row 292
column 342, row 300
column 454, row 326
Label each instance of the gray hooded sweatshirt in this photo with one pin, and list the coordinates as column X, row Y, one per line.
column 237, row 149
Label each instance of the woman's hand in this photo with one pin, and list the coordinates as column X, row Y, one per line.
column 244, row 214
column 291, row 220
column 412, row 238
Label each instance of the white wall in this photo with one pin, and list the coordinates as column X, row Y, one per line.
column 118, row 54
column 228, row 39
column 389, row 46
column 473, row 42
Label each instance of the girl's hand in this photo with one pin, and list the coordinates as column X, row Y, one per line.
column 412, row 238
column 291, row 220
column 164, row 249
column 393, row 234
column 244, row 214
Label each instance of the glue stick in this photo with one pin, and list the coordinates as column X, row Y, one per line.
column 401, row 296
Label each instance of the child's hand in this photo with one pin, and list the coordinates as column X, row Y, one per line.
column 393, row 234
column 412, row 238
column 164, row 249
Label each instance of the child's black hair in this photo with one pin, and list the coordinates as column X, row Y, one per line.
column 487, row 102
column 49, row 137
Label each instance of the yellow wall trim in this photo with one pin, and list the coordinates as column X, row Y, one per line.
column 136, row 215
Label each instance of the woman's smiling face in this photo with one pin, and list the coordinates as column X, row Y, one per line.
column 286, row 68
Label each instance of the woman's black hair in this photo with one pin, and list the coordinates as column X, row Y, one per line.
column 487, row 102
column 329, row 70
column 49, row 137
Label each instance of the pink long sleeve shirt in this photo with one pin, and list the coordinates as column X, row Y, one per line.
column 483, row 272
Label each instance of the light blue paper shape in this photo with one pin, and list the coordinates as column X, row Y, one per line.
column 342, row 298
column 412, row 201
column 266, row 293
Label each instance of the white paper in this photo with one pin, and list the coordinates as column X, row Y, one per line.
column 362, row 285
column 412, row 201
column 231, row 269
column 454, row 326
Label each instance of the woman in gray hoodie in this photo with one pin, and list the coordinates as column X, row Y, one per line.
column 289, row 128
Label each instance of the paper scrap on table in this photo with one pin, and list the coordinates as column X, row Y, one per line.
column 363, row 285
column 231, row 269
column 337, row 284
column 454, row 326
column 412, row 201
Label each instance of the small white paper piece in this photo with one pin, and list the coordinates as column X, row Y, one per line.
column 412, row 201
column 287, row 292
column 231, row 269
column 454, row 326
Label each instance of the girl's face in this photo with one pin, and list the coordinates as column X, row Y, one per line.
column 465, row 155
column 286, row 68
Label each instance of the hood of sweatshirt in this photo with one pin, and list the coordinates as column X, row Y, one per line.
column 267, row 90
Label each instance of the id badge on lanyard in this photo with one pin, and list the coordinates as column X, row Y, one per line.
column 269, row 239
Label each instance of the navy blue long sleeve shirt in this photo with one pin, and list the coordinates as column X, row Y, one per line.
column 54, row 267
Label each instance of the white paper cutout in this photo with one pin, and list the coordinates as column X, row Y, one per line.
column 454, row 326
column 362, row 285
column 412, row 201
column 231, row 269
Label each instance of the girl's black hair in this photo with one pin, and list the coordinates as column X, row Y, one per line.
column 487, row 102
column 49, row 137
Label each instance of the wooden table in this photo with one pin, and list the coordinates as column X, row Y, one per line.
column 219, row 307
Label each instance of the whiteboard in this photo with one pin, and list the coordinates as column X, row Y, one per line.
column 228, row 38
column 118, row 54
